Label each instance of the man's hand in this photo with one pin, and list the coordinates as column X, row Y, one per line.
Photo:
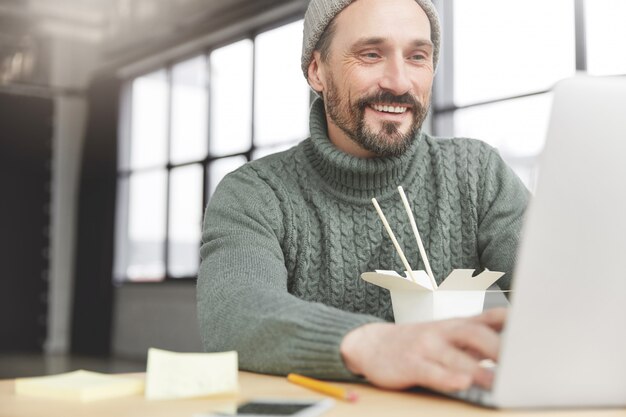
column 442, row 355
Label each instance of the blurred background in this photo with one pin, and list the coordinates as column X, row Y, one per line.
column 119, row 117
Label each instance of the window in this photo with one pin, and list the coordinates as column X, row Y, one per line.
column 231, row 97
column 143, row 180
column 185, row 214
column 148, row 147
column 190, row 124
column 522, row 47
column 504, row 59
column 282, row 111
column 515, row 127
column 190, row 106
column 606, row 36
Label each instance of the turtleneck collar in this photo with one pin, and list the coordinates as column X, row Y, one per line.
column 349, row 175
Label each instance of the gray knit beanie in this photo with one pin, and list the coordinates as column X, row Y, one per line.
column 320, row 12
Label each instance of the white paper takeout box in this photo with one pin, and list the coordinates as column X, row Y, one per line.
column 459, row 295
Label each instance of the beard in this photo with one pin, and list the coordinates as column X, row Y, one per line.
column 388, row 140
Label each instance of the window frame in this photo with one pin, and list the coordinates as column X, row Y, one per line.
column 442, row 106
column 443, row 92
column 125, row 171
column 443, row 103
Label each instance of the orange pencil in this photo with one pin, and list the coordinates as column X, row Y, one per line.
column 323, row 387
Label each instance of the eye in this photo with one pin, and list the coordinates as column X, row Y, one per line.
column 370, row 56
column 418, row 57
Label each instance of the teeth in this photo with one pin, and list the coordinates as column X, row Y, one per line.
column 389, row 109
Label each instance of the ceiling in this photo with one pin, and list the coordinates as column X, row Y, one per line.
column 28, row 26
column 121, row 29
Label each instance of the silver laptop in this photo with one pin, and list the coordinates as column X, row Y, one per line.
column 565, row 339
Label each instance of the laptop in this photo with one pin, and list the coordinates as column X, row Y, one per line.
column 565, row 340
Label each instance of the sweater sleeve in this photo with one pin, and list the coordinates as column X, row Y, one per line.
column 243, row 301
column 502, row 204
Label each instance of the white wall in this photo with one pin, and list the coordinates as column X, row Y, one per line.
column 69, row 122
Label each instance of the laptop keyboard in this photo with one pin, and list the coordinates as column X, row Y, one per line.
column 474, row 394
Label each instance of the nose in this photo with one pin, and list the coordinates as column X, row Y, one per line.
column 395, row 78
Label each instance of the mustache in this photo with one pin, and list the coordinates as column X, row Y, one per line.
column 385, row 97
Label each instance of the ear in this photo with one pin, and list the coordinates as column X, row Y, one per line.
column 316, row 73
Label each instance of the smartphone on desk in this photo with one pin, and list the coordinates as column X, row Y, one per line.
column 277, row 408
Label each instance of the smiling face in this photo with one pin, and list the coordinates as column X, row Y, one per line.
column 377, row 77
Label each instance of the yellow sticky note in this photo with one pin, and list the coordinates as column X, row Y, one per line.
column 183, row 375
column 79, row 385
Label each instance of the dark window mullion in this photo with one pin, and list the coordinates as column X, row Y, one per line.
column 252, row 138
column 581, row 35
column 168, row 129
column 443, row 89
column 207, row 160
column 125, row 173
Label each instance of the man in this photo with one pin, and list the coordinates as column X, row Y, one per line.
column 286, row 238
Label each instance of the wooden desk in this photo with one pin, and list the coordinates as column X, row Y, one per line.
column 372, row 402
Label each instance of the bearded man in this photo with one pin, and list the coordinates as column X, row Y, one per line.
column 286, row 237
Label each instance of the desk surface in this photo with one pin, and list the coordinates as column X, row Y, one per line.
column 372, row 402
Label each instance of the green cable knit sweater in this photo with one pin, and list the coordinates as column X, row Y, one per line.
column 286, row 237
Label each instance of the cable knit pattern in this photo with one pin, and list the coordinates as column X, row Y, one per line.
column 285, row 239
